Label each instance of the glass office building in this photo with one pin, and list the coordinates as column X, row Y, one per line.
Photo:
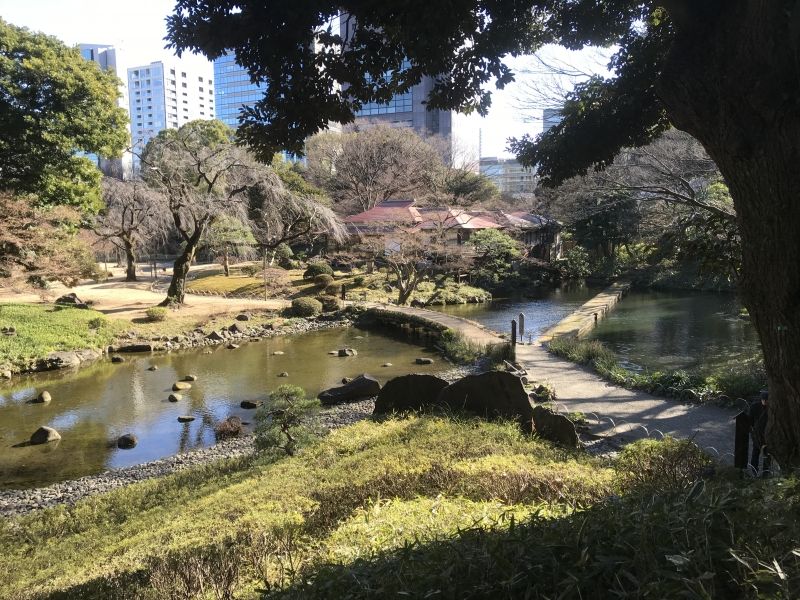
column 233, row 89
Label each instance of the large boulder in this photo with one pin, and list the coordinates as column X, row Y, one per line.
column 409, row 392
column 42, row 398
column 347, row 352
column 44, row 435
column 492, row 394
column 135, row 348
column 554, row 427
column 361, row 387
column 71, row 300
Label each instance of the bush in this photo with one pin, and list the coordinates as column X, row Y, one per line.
column 330, row 303
column 306, row 307
column 317, row 268
column 279, row 425
column 98, row 323
column 333, row 289
column 323, row 280
column 661, row 465
column 359, row 281
column 575, row 263
column 156, row 314
column 251, row 270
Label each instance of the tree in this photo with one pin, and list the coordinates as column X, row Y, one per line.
column 724, row 71
column 229, row 236
column 362, row 169
column 38, row 244
column 54, row 104
column 134, row 216
column 203, row 176
column 495, row 252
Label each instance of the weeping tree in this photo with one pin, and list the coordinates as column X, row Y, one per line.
column 203, row 176
column 135, row 215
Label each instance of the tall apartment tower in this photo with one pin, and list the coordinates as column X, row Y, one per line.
column 106, row 57
column 550, row 118
column 166, row 96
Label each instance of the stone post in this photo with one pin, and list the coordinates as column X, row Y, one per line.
column 513, row 333
column 521, row 326
column 344, row 291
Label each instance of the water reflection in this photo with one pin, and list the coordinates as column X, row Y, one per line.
column 94, row 406
column 678, row 330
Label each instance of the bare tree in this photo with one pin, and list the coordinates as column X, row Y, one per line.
column 362, row 169
column 134, row 215
column 203, row 175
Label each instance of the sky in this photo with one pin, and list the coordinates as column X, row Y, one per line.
column 137, row 30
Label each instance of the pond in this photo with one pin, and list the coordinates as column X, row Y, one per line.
column 91, row 408
column 678, row 330
column 543, row 308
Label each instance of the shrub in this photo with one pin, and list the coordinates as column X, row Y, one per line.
column 97, row 322
column 251, row 270
column 575, row 263
column 661, row 465
column 323, row 280
column 329, row 303
column 230, row 427
column 306, row 307
column 359, row 280
column 317, row 268
column 156, row 314
column 279, row 425
column 333, row 289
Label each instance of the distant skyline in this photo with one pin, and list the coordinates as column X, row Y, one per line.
column 137, row 30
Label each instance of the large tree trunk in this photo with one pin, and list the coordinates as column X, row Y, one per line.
column 130, row 259
column 226, row 262
column 180, row 270
column 732, row 79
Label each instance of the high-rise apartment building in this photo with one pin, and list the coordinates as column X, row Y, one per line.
column 106, row 57
column 509, row 175
column 166, row 96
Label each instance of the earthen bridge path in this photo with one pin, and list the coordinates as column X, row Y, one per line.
column 613, row 412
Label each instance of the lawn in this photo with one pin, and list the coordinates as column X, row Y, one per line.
column 360, row 287
column 408, row 506
column 41, row 329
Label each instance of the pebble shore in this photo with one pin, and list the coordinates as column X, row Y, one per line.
column 20, row 502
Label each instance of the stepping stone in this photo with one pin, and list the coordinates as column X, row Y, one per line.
column 190, row 378
column 181, row 385
column 185, row 419
column 174, row 397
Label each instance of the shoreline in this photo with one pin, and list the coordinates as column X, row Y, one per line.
column 17, row 502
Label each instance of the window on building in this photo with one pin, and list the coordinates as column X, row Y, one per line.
column 172, row 71
column 136, row 73
column 183, row 74
column 201, row 89
column 183, row 84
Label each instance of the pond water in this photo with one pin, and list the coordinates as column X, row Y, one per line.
column 91, row 408
column 678, row 330
column 543, row 308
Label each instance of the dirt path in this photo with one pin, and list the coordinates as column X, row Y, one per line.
column 614, row 412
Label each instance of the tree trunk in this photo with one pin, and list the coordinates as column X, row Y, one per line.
column 226, row 263
column 180, row 270
column 130, row 259
column 732, row 80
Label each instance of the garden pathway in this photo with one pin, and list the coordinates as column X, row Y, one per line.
column 613, row 412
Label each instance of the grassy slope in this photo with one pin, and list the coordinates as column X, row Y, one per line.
column 441, row 474
column 372, row 289
column 42, row 329
column 407, row 507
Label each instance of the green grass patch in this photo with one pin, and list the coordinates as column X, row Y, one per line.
column 725, row 384
column 44, row 328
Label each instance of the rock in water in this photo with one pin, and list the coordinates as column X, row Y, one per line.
column 44, row 435
column 277, row 353
column 347, row 352
column 361, row 387
column 117, row 359
column 43, row 398
column 491, row 395
column 230, row 427
column 424, row 361
column 127, row 441
column 152, row 368
column 174, row 397
column 386, row 365
column 181, row 385
column 284, row 374
column 190, row 378
column 409, row 392
column 185, row 419
column 250, row 404
column 554, row 427
column 232, row 346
